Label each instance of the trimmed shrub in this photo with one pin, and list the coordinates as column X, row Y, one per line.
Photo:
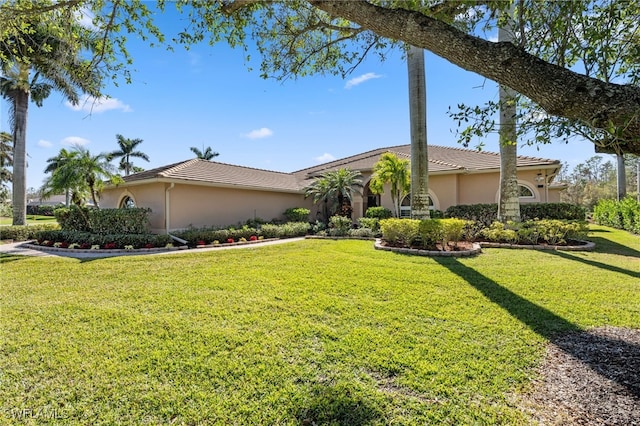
column 498, row 233
column 378, row 212
column 486, row 214
column 42, row 209
column 117, row 241
column 297, row 214
column 431, row 232
column 624, row 214
column 549, row 231
column 339, row 226
column 25, row 232
column 73, row 218
column 372, row 223
column 453, row 229
column 400, row 232
column 361, row 233
column 104, row 221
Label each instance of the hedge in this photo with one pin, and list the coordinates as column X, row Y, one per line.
column 208, row 235
column 486, row 214
column 624, row 214
column 104, row 221
column 115, row 241
column 25, row 232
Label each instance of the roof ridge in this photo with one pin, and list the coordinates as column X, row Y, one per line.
column 250, row 168
column 178, row 166
column 445, row 163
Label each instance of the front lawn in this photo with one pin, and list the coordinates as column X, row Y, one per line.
column 31, row 219
column 311, row 332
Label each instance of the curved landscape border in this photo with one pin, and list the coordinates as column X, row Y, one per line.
column 477, row 248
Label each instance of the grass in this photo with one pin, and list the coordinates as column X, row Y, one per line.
column 312, row 332
column 31, row 219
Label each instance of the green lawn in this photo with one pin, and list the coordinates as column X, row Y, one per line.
column 312, row 332
column 31, row 219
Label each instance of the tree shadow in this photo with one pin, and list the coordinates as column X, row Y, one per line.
column 6, row 258
column 621, row 364
column 590, row 262
column 338, row 405
column 605, row 245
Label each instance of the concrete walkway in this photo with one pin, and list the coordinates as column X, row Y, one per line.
column 22, row 249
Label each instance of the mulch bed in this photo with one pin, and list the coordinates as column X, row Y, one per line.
column 588, row 378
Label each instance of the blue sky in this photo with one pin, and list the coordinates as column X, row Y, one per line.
column 207, row 97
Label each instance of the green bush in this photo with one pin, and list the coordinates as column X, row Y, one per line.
column 297, row 214
column 339, row 226
column 454, row 229
column 104, row 221
column 73, row 218
column 43, row 209
column 25, row 232
column 119, row 241
column 486, row 214
column 378, row 212
column 400, row 232
column 361, row 233
column 372, row 223
column 623, row 214
column 431, row 232
column 550, row 231
column 6, row 210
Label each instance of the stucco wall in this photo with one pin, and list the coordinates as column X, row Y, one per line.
column 149, row 195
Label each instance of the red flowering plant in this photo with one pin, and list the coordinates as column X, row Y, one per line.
column 230, row 240
column 85, row 246
column 110, row 246
column 149, row 245
column 64, row 244
column 201, row 243
column 253, row 238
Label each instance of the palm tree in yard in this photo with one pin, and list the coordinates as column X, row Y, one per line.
column 205, row 154
column 418, row 122
column 57, row 183
column 336, row 186
column 83, row 173
column 395, row 172
column 42, row 59
column 6, row 161
column 127, row 150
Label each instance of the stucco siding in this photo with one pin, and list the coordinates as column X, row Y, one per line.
column 209, row 206
column 151, row 196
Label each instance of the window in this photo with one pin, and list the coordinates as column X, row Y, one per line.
column 405, row 206
column 525, row 192
column 127, row 203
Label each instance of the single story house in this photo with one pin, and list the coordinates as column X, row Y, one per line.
column 208, row 193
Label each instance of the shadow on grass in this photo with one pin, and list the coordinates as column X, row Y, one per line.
column 569, row 256
column 6, row 258
column 338, row 405
column 605, row 245
column 619, row 364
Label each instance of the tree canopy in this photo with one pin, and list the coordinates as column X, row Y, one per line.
column 297, row 38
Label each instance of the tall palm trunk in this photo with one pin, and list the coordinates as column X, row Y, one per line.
column 418, row 119
column 509, row 201
column 21, row 105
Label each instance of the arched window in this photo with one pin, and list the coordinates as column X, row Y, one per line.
column 405, row 206
column 127, row 203
column 525, row 192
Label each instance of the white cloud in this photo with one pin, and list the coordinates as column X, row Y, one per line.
column 259, row 133
column 324, row 158
column 91, row 104
column 75, row 140
column 44, row 144
column 359, row 80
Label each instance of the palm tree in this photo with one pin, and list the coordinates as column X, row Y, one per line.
column 60, row 182
column 509, row 201
column 393, row 171
column 336, row 186
column 418, row 120
column 6, row 161
column 126, row 151
column 205, row 154
column 82, row 173
column 31, row 67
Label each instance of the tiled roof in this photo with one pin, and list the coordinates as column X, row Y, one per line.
column 441, row 159
column 198, row 170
